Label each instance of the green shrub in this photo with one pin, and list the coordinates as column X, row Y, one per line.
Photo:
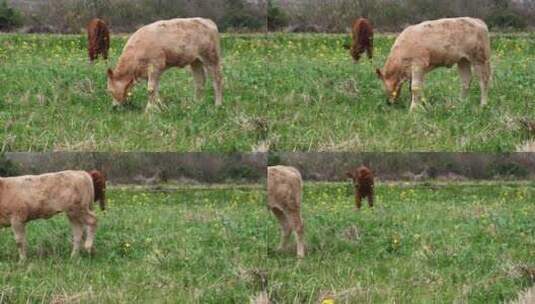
column 242, row 173
column 506, row 19
column 274, row 159
column 239, row 15
column 509, row 170
column 276, row 18
column 7, row 167
column 9, row 17
column 241, row 20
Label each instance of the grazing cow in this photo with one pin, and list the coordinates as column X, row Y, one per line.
column 31, row 197
column 362, row 39
column 284, row 186
column 164, row 44
column 363, row 181
column 440, row 43
column 98, row 38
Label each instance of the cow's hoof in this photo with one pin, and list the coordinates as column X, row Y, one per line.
column 282, row 249
column 152, row 109
column 115, row 106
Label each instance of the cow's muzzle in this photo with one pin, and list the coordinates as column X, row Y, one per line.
column 115, row 105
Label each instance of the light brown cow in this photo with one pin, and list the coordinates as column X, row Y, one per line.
column 164, row 44
column 440, row 43
column 31, row 197
column 284, row 186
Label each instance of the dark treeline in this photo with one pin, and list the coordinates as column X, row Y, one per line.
column 412, row 166
column 71, row 16
column 394, row 15
column 144, row 168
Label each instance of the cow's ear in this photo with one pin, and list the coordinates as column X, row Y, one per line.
column 110, row 73
column 379, row 73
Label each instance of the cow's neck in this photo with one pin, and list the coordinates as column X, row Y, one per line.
column 392, row 68
column 124, row 69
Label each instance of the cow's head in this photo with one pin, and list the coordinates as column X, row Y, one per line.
column 118, row 87
column 392, row 85
column 99, row 187
column 359, row 174
column 352, row 174
column 355, row 174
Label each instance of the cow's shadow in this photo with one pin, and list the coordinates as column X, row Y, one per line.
column 127, row 107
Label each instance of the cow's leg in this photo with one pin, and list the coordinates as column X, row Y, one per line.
column 297, row 226
column 91, row 223
column 417, row 86
column 217, row 79
column 286, row 230
column 358, row 199
column 19, row 230
column 91, row 55
column 77, row 233
column 105, row 47
column 356, row 52
column 369, row 49
column 483, row 72
column 465, row 74
column 199, row 75
column 153, row 87
column 370, row 199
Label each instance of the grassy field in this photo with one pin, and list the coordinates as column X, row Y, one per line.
column 288, row 92
column 52, row 99
column 151, row 247
column 421, row 244
column 325, row 102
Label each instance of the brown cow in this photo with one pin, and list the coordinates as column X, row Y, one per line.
column 164, row 44
column 362, row 38
column 363, row 181
column 31, row 197
column 284, row 186
column 98, row 37
column 439, row 43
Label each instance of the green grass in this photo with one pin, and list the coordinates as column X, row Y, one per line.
column 52, row 99
column 420, row 244
column 287, row 91
column 325, row 102
column 150, row 247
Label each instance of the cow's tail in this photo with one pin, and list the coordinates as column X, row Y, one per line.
column 99, row 184
column 104, row 37
column 365, row 34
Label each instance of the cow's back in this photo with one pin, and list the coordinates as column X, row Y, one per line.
column 92, row 25
column 284, row 188
column 447, row 39
column 175, row 34
column 365, row 180
column 362, row 31
column 97, row 28
column 46, row 194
